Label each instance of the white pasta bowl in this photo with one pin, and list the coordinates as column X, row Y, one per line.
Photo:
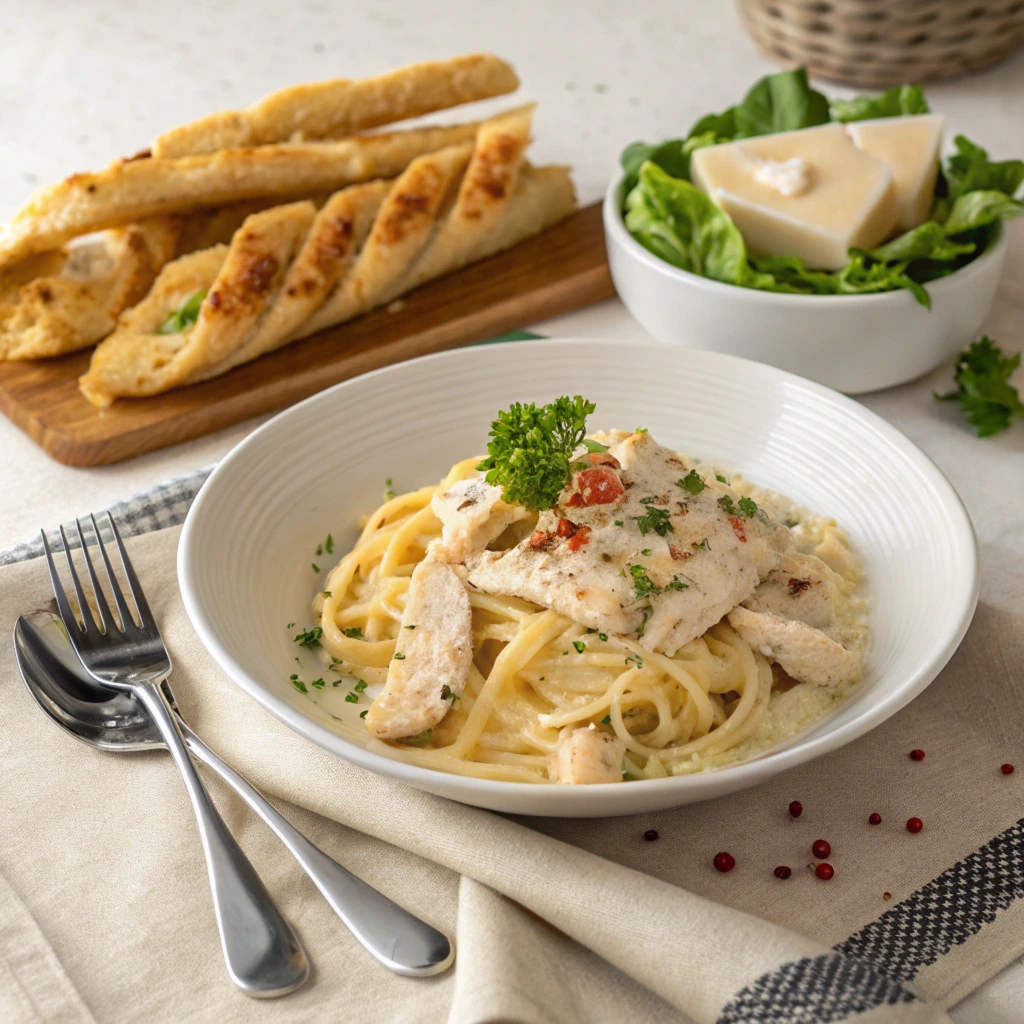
column 853, row 343
column 316, row 467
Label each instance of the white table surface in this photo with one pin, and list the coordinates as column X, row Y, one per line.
column 82, row 82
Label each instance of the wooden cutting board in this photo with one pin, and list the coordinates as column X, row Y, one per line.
column 561, row 270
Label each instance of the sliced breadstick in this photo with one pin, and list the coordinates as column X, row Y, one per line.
column 412, row 217
column 325, row 110
column 129, row 361
column 66, row 300
column 135, row 189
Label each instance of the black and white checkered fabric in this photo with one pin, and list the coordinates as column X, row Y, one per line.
column 157, row 508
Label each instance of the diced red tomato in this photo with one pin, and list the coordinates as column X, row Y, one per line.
column 539, row 539
column 603, row 459
column 579, row 538
column 597, row 486
column 566, row 528
column 737, row 528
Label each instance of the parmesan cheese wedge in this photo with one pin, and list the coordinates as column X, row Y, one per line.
column 810, row 193
column 910, row 146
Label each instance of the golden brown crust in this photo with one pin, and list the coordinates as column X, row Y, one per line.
column 132, row 190
column 446, row 209
column 66, row 300
column 332, row 109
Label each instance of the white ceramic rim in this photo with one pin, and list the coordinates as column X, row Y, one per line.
column 615, row 226
column 744, row 773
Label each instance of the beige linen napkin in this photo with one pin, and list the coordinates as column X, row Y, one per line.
column 104, row 912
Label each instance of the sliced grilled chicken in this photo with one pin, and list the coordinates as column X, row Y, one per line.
column 473, row 514
column 629, row 549
column 432, row 656
column 802, row 588
column 587, row 755
column 809, row 655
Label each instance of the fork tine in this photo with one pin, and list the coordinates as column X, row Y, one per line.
column 67, row 615
column 106, row 619
column 83, row 605
column 145, row 615
column 127, row 619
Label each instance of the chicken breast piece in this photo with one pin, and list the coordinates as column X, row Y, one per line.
column 587, row 755
column 472, row 514
column 807, row 654
column 802, row 588
column 432, row 656
column 629, row 549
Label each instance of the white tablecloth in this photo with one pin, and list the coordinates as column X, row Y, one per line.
column 82, row 83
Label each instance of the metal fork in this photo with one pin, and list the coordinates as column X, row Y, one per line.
column 263, row 955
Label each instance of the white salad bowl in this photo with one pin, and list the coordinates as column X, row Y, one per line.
column 246, row 548
column 854, row 343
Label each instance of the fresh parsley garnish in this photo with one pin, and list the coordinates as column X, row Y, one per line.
column 646, row 551
column 748, row 507
column 352, row 698
column 318, row 684
column 603, row 637
column 309, row 638
column 676, row 585
column 326, row 593
column 329, row 544
column 530, row 450
column 607, row 720
column 291, row 625
column 636, row 659
column 185, row 316
column 656, row 519
column 447, row 694
column 398, row 656
column 388, row 492
column 360, row 685
column 692, row 483
column 983, row 390
column 409, row 627
column 362, row 714
column 721, row 479
column 298, row 684
column 353, row 633
column 579, row 645
column 316, row 568
column 619, row 522
column 643, row 585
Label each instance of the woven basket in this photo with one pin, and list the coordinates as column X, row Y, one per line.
column 880, row 43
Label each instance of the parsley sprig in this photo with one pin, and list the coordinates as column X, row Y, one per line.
column 656, row 520
column 983, row 390
column 530, row 450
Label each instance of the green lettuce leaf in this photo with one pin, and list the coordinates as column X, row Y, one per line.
column 683, row 226
column 902, row 101
column 779, row 103
column 970, row 170
column 976, row 209
column 928, row 241
column 669, row 156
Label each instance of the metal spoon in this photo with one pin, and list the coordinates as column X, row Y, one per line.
column 113, row 720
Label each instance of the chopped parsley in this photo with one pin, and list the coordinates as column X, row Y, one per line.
column 398, row 656
column 326, row 593
column 607, row 720
column 298, row 683
column 636, row 659
column 360, row 685
column 329, row 544
column 643, row 585
column 446, row 694
column 291, row 625
column 619, row 522
column 656, row 519
column 579, row 645
column 318, row 684
column 643, row 622
column 362, row 714
column 309, row 638
column 640, row 430
column 420, row 740
column 747, row 506
column 388, row 492
column 721, row 479
column 703, row 545
column 692, row 483
column 353, row 633
column 352, row 698
column 603, row 637
column 316, row 568
column 410, row 627
column 676, row 584
column 530, row 451
column 646, row 551
column 983, row 388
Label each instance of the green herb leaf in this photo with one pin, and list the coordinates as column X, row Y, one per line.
column 398, row 656
column 362, row 714
column 692, row 483
column 318, row 684
column 447, row 694
column 902, row 101
column 185, row 316
column 329, row 545
column 316, row 568
column 299, row 684
column 360, row 685
column 748, row 507
column 978, row 209
column 970, row 170
column 420, row 740
column 352, row 698
column 326, row 593
column 579, row 645
column 607, row 720
column 656, row 519
column 780, row 103
column 983, row 390
column 353, row 633
column 309, row 638
column 530, row 450
column 603, row 637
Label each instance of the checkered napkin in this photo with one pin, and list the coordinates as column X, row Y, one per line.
column 909, row 924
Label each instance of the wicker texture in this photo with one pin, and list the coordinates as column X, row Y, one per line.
column 880, row 43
